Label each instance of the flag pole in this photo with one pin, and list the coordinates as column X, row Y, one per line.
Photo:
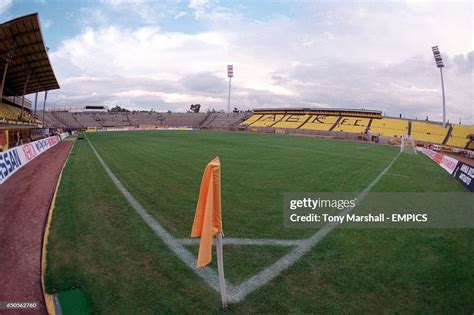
column 220, row 269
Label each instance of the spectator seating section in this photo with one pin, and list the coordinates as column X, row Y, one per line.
column 220, row 120
column 183, row 119
column 459, row 136
column 67, row 118
column 251, row 119
column 389, row 127
column 12, row 113
column 386, row 127
column 87, row 120
column 428, row 132
column 352, row 124
column 267, row 120
column 8, row 114
column 145, row 118
column 320, row 122
column 292, row 121
column 50, row 120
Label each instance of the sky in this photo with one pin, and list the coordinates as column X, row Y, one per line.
column 169, row 54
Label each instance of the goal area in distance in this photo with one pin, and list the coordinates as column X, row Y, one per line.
column 407, row 145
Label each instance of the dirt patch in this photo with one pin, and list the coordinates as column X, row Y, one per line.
column 24, row 202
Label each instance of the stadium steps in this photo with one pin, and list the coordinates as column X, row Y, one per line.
column 212, row 120
column 247, row 116
column 238, row 122
column 56, row 116
column 211, row 117
column 77, row 121
column 366, row 131
column 369, row 124
column 277, row 121
column 258, row 119
column 448, row 135
column 204, row 123
column 335, row 123
column 309, row 117
column 470, row 145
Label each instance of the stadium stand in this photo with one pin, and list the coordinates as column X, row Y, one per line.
column 267, row 120
column 222, row 120
column 25, row 67
column 389, row 127
column 183, row 119
column 67, row 118
column 7, row 113
column 428, row 132
column 50, row 120
column 78, row 120
column 334, row 122
column 145, row 118
column 352, row 124
column 251, row 119
column 292, row 121
column 87, row 120
column 320, row 122
column 112, row 119
column 459, row 136
column 337, row 123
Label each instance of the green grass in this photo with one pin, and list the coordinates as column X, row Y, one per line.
column 256, row 259
column 99, row 244
column 74, row 302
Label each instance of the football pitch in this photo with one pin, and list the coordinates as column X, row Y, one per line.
column 100, row 245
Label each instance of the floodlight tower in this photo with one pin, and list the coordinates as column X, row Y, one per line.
column 230, row 74
column 440, row 65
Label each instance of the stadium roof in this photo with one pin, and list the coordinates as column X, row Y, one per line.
column 21, row 43
column 318, row 109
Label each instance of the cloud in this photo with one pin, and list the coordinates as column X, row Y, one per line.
column 356, row 56
column 45, row 24
column 149, row 12
column 180, row 14
column 5, row 5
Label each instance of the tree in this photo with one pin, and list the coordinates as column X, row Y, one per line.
column 118, row 109
column 195, row 108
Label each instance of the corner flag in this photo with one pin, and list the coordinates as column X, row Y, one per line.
column 207, row 220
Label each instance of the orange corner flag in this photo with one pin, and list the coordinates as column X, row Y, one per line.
column 208, row 220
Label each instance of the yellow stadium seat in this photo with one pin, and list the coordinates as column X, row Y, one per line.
column 251, row 119
column 428, row 132
column 267, row 120
column 352, row 124
column 459, row 135
column 291, row 121
column 389, row 127
column 462, row 131
column 457, row 142
column 320, row 122
column 7, row 112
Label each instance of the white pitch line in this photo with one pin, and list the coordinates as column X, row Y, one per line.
column 263, row 277
column 246, row 241
column 206, row 273
column 397, row 175
column 236, row 293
